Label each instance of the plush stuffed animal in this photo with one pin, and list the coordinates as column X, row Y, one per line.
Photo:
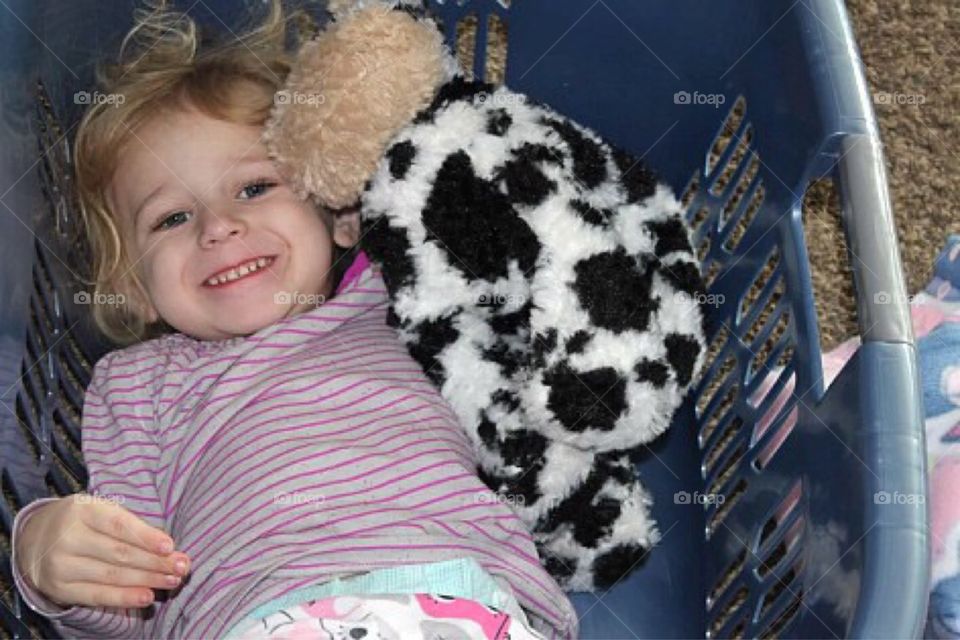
column 542, row 277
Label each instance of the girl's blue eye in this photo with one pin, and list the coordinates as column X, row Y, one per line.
column 252, row 190
column 174, row 219
column 258, row 188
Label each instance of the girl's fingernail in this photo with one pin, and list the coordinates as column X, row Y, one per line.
column 181, row 566
column 166, row 547
column 172, row 580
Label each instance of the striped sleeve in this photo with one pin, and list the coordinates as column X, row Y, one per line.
column 117, row 425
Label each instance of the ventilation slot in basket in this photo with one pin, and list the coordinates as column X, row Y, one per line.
column 719, row 594
column 716, row 400
column 492, row 56
column 733, row 570
column 733, row 124
column 734, row 605
column 733, row 174
column 716, row 516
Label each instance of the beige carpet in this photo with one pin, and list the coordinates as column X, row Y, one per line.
column 910, row 51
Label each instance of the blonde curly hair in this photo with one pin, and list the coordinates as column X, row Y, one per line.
column 166, row 64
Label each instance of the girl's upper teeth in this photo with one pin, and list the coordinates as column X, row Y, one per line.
column 239, row 272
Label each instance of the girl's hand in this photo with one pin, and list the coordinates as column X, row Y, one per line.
column 88, row 550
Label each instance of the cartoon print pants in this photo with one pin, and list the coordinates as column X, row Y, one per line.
column 402, row 616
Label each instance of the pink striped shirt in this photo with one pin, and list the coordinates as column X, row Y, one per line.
column 315, row 448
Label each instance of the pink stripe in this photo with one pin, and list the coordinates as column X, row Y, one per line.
column 132, row 403
column 109, row 380
column 411, row 393
column 133, row 485
column 310, row 386
column 117, row 463
column 113, row 364
column 129, row 443
column 118, row 416
column 111, row 426
column 373, row 337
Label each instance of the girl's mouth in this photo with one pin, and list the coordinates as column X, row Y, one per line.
column 239, row 272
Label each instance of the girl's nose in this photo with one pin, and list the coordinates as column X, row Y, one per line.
column 217, row 227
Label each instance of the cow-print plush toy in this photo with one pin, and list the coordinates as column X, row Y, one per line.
column 542, row 277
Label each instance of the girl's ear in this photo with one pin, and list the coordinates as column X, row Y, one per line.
column 137, row 303
column 346, row 227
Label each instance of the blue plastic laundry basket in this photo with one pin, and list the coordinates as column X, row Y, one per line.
column 818, row 531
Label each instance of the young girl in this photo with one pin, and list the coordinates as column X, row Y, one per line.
column 313, row 481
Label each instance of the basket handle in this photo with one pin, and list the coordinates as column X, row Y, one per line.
column 882, row 305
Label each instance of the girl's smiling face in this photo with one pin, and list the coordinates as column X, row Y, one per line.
column 221, row 243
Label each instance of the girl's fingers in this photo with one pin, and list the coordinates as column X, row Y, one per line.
column 105, row 574
column 115, row 521
column 92, row 594
column 124, row 555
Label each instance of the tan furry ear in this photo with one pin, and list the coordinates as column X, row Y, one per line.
column 350, row 90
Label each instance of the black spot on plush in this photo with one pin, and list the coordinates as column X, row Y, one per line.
column 589, row 163
column 635, row 176
column 682, row 352
column 615, row 292
column 435, row 335
column 535, row 273
column 577, row 342
column 652, row 371
column 671, row 236
column 591, row 214
column 401, row 156
column 598, row 408
column 524, row 181
column 614, row 565
column 498, row 122
column 475, row 224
